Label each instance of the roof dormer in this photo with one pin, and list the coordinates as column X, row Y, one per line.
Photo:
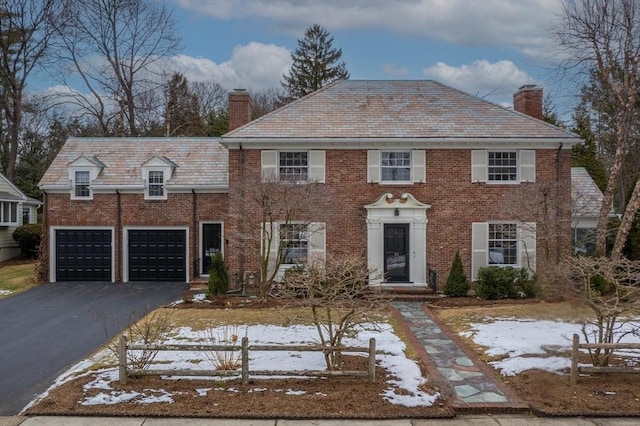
column 82, row 171
column 156, row 171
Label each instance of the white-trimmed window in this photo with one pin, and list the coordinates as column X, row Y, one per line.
column 294, row 240
column 293, row 166
column 156, row 184
column 502, row 166
column 82, row 179
column 395, row 166
column 8, row 213
column 400, row 166
column 503, row 244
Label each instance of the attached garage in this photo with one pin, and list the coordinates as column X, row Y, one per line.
column 157, row 254
column 83, row 254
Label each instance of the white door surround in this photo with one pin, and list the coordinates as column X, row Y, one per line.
column 403, row 210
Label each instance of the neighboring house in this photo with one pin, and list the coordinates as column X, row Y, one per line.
column 16, row 209
column 134, row 209
column 586, row 202
column 416, row 171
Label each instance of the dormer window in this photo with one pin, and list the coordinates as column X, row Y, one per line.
column 81, row 184
column 82, row 172
column 156, row 183
column 157, row 173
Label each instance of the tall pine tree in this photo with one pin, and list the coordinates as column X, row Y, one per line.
column 316, row 63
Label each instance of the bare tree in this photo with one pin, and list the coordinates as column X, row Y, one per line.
column 605, row 35
column 281, row 218
column 26, row 32
column 340, row 299
column 116, row 47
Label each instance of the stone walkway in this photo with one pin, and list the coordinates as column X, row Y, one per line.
column 473, row 389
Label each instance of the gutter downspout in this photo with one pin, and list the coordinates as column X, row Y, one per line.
column 559, row 204
column 118, row 236
column 46, row 272
column 241, row 257
column 196, row 261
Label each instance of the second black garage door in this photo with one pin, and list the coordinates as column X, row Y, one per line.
column 157, row 255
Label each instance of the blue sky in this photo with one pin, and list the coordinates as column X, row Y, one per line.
column 485, row 47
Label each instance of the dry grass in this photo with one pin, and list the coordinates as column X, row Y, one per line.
column 16, row 278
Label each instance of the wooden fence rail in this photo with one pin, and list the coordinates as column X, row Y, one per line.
column 575, row 350
column 124, row 371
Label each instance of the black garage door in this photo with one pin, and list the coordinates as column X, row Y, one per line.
column 157, row 255
column 83, row 255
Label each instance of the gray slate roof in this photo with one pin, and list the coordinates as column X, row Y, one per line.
column 394, row 109
column 586, row 197
column 200, row 161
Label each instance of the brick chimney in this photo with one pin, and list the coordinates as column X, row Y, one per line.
column 528, row 100
column 239, row 108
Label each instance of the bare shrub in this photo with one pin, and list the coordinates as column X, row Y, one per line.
column 611, row 288
column 341, row 302
column 154, row 328
column 224, row 359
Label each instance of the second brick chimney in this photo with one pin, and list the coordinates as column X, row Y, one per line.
column 239, row 108
column 528, row 100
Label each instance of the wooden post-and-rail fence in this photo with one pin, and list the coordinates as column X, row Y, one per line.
column 124, row 371
column 575, row 350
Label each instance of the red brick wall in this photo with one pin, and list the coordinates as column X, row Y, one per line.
column 455, row 202
column 177, row 210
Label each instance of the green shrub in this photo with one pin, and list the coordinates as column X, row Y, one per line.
column 28, row 238
column 457, row 283
column 498, row 282
column 218, row 276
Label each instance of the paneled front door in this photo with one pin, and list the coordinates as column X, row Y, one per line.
column 396, row 252
column 211, row 244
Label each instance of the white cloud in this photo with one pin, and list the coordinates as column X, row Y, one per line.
column 515, row 24
column 494, row 81
column 395, row 70
column 255, row 66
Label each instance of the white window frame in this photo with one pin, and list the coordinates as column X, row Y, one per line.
column 153, row 185
column 515, row 167
column 409, row 166
column 315, row 168
column 302, row 237
column 82, row 185
column 525, row 167
column 9, row 209
column 496, row 258
column 302, row 175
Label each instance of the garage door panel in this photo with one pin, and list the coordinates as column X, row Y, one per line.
column 83, row 255
column 157, row 255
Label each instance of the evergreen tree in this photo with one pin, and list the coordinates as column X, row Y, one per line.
column 182, row 114
column 218, row 276
column 316, row 63
column 457, row 283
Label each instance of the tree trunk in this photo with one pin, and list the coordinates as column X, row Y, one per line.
column 627, row 220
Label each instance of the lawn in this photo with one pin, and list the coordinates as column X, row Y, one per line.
column 16, row 277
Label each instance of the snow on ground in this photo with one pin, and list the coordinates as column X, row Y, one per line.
column 5, row 292
column 404, row 382
column 527, row 343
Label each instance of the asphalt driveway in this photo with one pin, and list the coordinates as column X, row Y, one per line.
column 51, row 327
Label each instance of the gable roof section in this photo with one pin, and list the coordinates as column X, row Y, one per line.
column 10, row 192
column 397, row 110
column 200, row 162
column 586, row 197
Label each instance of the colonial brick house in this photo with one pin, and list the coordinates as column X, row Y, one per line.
column 416, row 171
